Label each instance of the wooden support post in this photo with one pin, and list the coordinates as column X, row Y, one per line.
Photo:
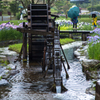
column 71, row 35
column 67, row 76
column 83, row 37
column 97, row 94
column 2, row 18
column 10, row 17
column 65, row 57
column 24, row 46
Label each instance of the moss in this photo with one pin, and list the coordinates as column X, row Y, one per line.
column 0, row 77
column 7, row 67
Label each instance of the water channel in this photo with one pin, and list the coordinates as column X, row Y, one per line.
column 29, row 83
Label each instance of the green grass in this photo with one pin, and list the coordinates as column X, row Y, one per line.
column 66, row 41
column 15, row 47
column 16, row 22
column 89, row 20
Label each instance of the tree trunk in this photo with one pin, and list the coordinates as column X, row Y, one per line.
column 43, row 1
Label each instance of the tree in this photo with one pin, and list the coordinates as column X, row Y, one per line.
column 25, row 3
column 3, row 5
column 14, row 7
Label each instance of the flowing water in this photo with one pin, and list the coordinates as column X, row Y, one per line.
column 58, row 89
column 29, row 83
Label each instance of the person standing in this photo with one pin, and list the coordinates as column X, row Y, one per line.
column 21, row 14
column 74, row 21
column 94, row 16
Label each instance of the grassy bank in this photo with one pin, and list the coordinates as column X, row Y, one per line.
column 17, row 47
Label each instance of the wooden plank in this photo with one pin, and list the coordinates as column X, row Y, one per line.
column 37, row 24
column 39, row 16
column 24, row 45
column 23, row 30
column 38, row 9
column 77, row 31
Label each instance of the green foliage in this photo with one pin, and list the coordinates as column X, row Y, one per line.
column 1, row 4
column 94, row 51
column 10, row 34
column 18, row 16
column 59, row 5
column 53, row 10
column 84, row 16
column 14, row 7
column 94, row 8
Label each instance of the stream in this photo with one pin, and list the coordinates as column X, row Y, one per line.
column 29, row 83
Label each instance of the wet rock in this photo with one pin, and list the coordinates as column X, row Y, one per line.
column 90, row 90
column 3, row 58
column 2, row 69
column 89, row 63
column 84, row 43
column 92, row 75
column 3, row 82
column 77, row 53
column 5, row 74
column 13, row 41
column 89, row 66
column 7, row 52
column 13, row 67
column 13, row 72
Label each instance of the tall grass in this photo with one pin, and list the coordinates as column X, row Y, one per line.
column 94, row 51
column 9, row 34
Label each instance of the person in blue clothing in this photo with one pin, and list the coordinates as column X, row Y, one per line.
column 74, row 21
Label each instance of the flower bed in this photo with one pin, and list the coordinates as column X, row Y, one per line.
column 68, row 25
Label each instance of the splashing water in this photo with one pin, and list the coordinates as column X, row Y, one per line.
column 58, row 89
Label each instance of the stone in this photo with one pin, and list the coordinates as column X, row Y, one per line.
column 5, row 74
column 84, row 43
column 76, row 54
column 13, row 72
column 3, row 58
column 3, row 82
column 89, row 63
column 13, row 67
column 90, row 90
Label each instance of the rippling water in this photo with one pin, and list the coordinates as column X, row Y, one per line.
column 29, row 84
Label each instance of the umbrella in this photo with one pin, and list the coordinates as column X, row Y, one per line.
column 73, row 12
column 20, row 6
column 94, row 12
